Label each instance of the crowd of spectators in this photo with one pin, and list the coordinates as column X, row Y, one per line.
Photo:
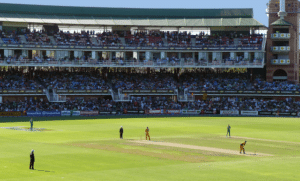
column 67, row 38
column 176, row 38
column 72, row 80
column 203, row 39
column 232, row 82
column 153, row 103
column 37, row 38
column 144, row 81
column 152, row 38
column 244, row 104
column 108, row 39
column 15, row 80
column 10, row 37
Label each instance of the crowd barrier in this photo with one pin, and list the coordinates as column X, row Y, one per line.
column 148, row 112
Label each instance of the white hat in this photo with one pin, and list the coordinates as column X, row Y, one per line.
column 121, row 126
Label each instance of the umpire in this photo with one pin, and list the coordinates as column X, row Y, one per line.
column 121, row 132
column 32, row 160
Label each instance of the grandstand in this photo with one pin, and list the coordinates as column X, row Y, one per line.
column 118, row 60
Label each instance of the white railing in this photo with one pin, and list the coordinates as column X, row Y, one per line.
column 280, row 48
column 281, row 62
column 280, row 35
column 150, row 63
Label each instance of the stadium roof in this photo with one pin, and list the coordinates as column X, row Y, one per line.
column 126, row 16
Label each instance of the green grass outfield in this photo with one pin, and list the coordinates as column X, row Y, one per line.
column 90, row 149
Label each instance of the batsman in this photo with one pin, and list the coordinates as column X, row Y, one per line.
column 242, row 147
column 147, row 133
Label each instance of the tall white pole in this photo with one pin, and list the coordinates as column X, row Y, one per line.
column 282, row 12
column 282, row 5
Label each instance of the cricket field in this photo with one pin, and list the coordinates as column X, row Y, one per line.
column 181, row 148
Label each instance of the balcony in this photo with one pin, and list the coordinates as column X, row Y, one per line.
column 280, row 61
column 280, row 49
column 280, row 36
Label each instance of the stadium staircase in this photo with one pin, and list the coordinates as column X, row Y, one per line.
column 165, row 42
column 193, row 41
column 122, row 39
column 22, row 39
column 52, row 40
column 53, row 97
column 94, row 41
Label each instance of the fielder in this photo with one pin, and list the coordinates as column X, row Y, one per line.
column 147, row 133
column 242, row 147
column 32, row 160
column 121, row 132
column 31, row 124
column 228, row 130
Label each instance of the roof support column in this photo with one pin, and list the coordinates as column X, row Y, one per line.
column 202, row 55
column 162, row 55
column 25, row 53
column 148, row 55
column 217, row 56
column 233, row 55
column 246, row 55
column 94, row 55
column 136, row 55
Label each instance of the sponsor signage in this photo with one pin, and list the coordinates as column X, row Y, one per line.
column 249, row 113
column 104, row 112
column 155, row 111
column 21, row 91
column 76, row 113
column 4, row 114
column 89, row 113
column 274, row 113
column 132, row 112
column 172, row 111
column 229, row 112
column 245, row 92
column 34, row 113
column 164, row 91
column 191, row 111
column 43, row 113
column 64, row 91
column 208, row 111
column 65, row 113
column 51, row 113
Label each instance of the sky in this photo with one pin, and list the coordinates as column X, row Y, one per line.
column 258, row 6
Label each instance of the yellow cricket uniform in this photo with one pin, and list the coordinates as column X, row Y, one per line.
column 242, row 147
column 147, row 133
